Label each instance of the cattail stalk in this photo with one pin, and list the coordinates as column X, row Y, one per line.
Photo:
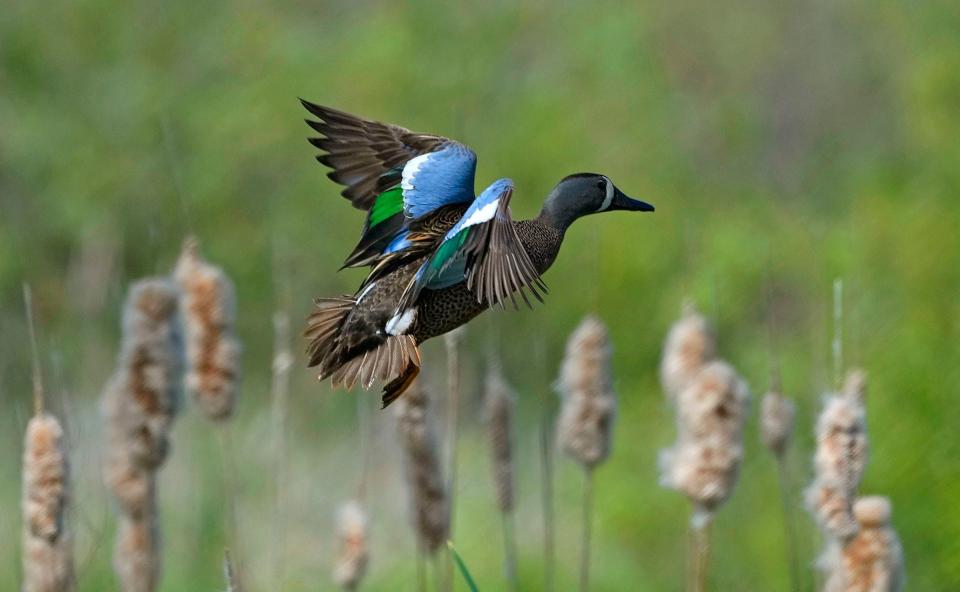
column 546, row 467
column 139, row 405
column 451, row 342
column 47, row 541
column 351, row 564
column 229, row 576
column 872, row 561
column 711, row 402
column 279, row 397
column 428, row 495
column 499, row 402
column 213, row 351
column 585, row 425
column 777, row 418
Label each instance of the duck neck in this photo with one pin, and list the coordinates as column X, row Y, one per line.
column 554, row 216
column 541, row 240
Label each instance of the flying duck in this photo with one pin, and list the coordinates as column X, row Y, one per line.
column 438, row 254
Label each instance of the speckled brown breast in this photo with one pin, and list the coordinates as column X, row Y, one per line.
column 440, row 311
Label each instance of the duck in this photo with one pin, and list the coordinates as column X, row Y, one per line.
column 438, row 254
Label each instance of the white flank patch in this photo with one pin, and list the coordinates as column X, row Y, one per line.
column 609, row 198
column 398, row 324
column 483, row 214
column 411, row 169
column 366, row 291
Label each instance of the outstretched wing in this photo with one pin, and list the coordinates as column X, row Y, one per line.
column 391, row 172
column 482, row 248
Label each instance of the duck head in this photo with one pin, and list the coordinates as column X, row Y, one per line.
column 583, row 194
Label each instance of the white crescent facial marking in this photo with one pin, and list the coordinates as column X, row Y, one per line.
column 609, row 198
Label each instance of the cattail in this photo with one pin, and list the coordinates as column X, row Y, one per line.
column 872, row 561
column 705, row 461
column 136, row 557
column 839, row 461
column 142, row 397
column 48, row 550
column 777, row 417
column 228, row 574
column 585, row 425
column 587, row 414
column 776, row 422
column 352, row 561
column 499, row 403
column 711, row 403
column 213, row 352
column 139, row 405
column 689, row 346
column 428, row 496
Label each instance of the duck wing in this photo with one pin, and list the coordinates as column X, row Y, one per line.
column 483, row 249
column 395, row 174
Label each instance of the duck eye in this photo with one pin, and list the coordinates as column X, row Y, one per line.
column 601, row 184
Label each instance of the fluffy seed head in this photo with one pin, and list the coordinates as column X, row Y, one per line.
column 689, row 346
column 704, row 462
column 142, row 397
column 871, row 561
column 839, row 462
column 777, row 415
column 213, row 351
column 48, row 550
column 352, row 561
column 428, row 497
column 499, row 402
column 589, row 405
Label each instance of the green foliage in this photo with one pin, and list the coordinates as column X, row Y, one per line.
column 784, row 144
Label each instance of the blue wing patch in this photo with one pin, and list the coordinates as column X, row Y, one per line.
column 439, row 178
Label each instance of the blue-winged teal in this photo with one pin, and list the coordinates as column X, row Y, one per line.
column 438, row 255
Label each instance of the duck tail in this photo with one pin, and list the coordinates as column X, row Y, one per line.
column 396, row 359
column 323, row 330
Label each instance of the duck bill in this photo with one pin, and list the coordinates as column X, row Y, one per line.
column 623, row 202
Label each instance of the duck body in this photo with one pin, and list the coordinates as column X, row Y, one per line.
column 438, row 256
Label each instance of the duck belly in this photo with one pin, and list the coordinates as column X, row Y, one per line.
column 441, row 311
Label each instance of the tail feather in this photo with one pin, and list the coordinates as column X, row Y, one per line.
column 323, row 326
column 397, row 359
column 384, row 362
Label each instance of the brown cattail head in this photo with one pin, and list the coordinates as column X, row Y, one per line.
column 428, row 497
column 872, row 561
column 352, row 561
column 139, row 405
column 704, row 462
column 689, row 346
column 142, row 397
column 499, row 403
column 48, row 550
column 777, row 416
column 213, row 351
column 136, row 557
column 839, row 462
column 589, row 408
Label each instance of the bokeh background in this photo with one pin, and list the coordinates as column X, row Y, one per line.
column 785, row 144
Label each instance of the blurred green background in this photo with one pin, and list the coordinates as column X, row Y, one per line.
column 784, row 144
